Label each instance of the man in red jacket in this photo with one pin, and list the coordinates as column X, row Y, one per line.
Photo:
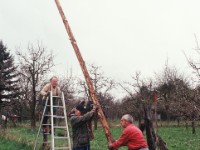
column 132, row 137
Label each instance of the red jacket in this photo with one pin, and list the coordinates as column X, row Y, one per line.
column 132, row 137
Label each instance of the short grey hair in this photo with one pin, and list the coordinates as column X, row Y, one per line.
column 128, row 117
column 53, row 78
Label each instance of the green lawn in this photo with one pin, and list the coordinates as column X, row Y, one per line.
column 13, row 145
column 180, row 138
column 100, row 143
column 177, row 138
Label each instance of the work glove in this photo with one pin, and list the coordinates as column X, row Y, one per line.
column 110, row 146
column 94, row 108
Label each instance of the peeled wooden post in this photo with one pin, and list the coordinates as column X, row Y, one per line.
column 86, row 74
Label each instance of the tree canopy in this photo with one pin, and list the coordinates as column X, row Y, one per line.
column 8, row 76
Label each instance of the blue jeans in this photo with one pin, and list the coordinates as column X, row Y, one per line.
column 82, row 148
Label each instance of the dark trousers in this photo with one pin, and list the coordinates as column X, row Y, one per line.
column 45, row 119
column 82, row 148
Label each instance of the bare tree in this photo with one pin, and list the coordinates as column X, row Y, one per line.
column 68, row 85
column 166, row 88
column 23, row 97
column 186, row 102
column 194, row 62
column 177, row 98
column 134, row 89
column 34, row 64
column 195, row 65
column 103, row 86
column 141, row 93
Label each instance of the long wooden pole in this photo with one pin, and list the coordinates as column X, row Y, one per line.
column 86, row 74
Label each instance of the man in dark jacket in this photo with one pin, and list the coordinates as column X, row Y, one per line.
column 80, row 130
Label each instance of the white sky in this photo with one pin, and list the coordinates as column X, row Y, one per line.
column 122, row 36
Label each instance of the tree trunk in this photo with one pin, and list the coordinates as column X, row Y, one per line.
column 0, row 114
column 13, row 121
column 33, row 121
column 151, row 137
column 161, row 144
column 168, row 119
column 5, row 122
column 33, row 124
column 178, row 121
column 193, row 127
column 139, row 120
column 186, row 124
column 21, row 115
column 95, row 120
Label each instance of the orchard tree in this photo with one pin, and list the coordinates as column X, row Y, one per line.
column 133, row 100
column 34, row 64
column 194, row 61
column 186, row 102
column 68, row 86
column 194, row 97
column 8, row 79
column 141, row 93
column 102, row 86
column 165, row 81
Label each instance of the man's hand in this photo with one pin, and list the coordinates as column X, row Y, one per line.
column 110, row 146
column 45, row 94
column 94, row 108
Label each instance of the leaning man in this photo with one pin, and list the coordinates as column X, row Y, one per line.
column 132, row 137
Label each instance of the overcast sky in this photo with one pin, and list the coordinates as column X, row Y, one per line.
column 122, row 36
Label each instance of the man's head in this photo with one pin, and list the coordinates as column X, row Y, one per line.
column 83, row 107
column 54, row 81
column 80, row 109
column 126, row 120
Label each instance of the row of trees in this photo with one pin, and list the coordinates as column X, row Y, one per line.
column 22, row 80
column 9, row 89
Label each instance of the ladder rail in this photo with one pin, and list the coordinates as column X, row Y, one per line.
column 40, row 126
column 52, row 122
column 66, row 122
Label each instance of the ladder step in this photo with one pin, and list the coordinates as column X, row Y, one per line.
column 45, row 133
column 55, row 106
column 47, row 124
column 59, row 116
column 60, row 137
column 57, row 97
column 61, row 127
column 45, row 142
column 58, row 106
column 56, row 116
column 61, row 148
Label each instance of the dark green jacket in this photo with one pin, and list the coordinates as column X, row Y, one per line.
column 80, row 131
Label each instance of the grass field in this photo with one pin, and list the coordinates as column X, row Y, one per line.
column 177, row 138
column 180, row 138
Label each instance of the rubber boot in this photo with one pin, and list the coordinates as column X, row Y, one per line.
column 45, row 137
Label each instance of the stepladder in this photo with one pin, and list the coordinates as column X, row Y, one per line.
column 53, row 132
